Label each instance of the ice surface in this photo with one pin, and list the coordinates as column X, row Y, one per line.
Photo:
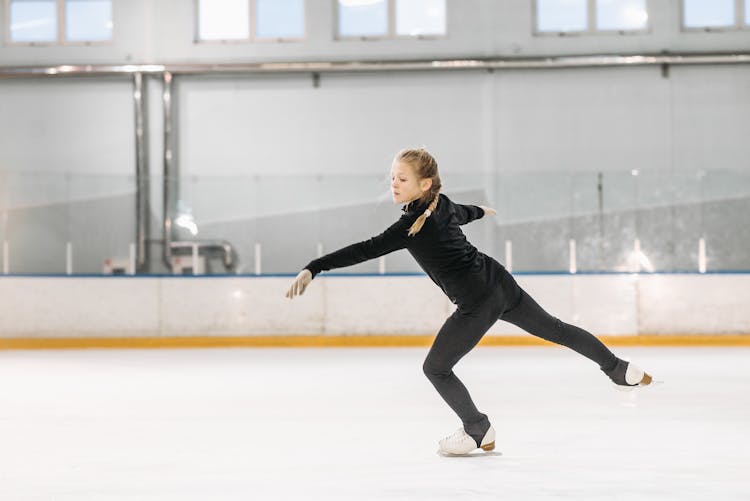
column 361, row 424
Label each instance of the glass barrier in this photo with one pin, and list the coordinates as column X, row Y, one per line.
column 636, row 221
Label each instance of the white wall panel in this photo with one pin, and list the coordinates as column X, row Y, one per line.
column 378, row 305
column 79, row 307
column 605, row 304
column 685, row 304
column 238, row 306
column 246, row 306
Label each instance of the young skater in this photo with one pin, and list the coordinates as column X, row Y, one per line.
column 482, row 289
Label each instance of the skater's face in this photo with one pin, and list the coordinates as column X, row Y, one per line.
column 406, row 185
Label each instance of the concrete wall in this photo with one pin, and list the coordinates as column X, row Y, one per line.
column 388, row 305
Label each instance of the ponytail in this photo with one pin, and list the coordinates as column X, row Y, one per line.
column 425, row 167
column 421, row 219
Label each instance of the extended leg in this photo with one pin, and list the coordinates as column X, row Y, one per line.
column 532, row 318
column 460, row 333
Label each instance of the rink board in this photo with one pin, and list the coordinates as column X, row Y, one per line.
column 357, row 310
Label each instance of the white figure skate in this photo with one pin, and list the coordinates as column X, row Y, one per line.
column 461, row 443
column 629, row 375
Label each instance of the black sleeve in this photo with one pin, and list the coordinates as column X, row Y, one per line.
column 468, row 213
column 394, row 238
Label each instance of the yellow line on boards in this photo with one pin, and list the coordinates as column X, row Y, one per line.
column 359, row 341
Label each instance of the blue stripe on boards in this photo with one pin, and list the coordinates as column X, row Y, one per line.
column 351, row 275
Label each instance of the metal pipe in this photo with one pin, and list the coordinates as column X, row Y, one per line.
column 376, row 66
column 142, row 188
column 6, row 258
column 196, row 245
column 69, row 258
column 168, row 168
column 600, row 207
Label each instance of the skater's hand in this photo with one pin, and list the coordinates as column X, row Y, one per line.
column 300, row 283
column 488, row 211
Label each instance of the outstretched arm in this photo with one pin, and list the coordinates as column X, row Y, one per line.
column 468, row 213
column 392, row 239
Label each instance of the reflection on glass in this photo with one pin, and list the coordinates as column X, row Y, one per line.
column 621, row 14
column 33, row 20
column 88, row 20
column 280, row 18
column 223, row 19
column 658, row 220
column 363, row 18
column 708, row 13
column 561, row 15
column 420, row 17
column 187, row 222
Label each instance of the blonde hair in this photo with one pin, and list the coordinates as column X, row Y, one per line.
column 426, row 167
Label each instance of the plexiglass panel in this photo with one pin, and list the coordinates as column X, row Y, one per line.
column 634, row 221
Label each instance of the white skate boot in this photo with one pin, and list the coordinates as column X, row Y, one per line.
column 461, row 443
column 628, row 374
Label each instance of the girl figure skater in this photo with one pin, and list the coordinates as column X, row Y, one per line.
column 482, row 289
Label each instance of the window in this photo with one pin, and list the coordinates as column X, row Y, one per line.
column 280, row 19
column 420, row 17
column 88, row 20
column 589, row 16
column 363, row 18
column 33, row 21
column 223, row 20
column 715, row 14
column 561, row 15
column 391, row 18
column 60, row 21
column 629, row 15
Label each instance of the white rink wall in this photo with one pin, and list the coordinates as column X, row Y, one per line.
column 339, row 305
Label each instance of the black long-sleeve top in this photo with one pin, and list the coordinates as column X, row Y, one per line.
column 464, row 274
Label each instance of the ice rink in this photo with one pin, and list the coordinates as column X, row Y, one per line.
column 361, row 424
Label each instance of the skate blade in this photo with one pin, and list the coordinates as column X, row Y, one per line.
column 646, row 382
column 474, row 454
column 485, row 450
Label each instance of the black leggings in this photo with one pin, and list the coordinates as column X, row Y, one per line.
column 466, row 326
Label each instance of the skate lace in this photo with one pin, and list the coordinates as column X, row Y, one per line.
column 456, row 436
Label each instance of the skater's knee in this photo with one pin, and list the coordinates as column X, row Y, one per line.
column 434, row 369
